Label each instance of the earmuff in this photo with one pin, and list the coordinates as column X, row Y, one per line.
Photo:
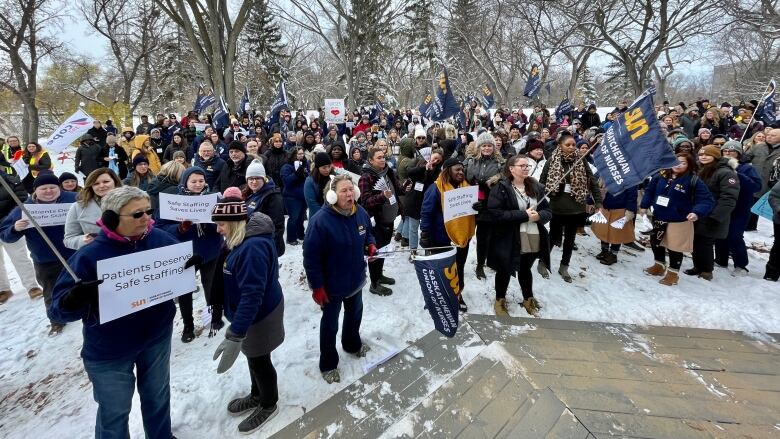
column 110, row 219
column 330, row 194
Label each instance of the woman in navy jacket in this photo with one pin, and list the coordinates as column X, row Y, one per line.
column 294, row 174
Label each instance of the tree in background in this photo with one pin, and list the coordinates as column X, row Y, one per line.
column 586, row 87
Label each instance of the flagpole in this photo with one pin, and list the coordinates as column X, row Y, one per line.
column 763, row 100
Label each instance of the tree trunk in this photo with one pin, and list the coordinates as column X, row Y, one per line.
column 29, row 119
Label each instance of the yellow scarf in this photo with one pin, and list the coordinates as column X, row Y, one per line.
column 460, row 230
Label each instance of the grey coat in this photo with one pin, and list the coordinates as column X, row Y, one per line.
column 763, row 157
column 79, row 222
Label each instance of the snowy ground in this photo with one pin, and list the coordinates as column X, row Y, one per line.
column 43, row 387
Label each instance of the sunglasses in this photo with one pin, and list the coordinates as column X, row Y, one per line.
column 138, row 215
column 420, row 138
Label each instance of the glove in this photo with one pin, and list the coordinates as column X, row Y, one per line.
column 320, row 296
column 184, row 226
column 371, row 250
column 425, row 240
column 301, row 169
column 228, row 349
column 478, row 206
column 81, row 294
column 194, row 261
column 630, row 215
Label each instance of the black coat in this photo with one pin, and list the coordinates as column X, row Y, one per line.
column 505, row 215
column 412, row 201
column 232, row 175
column 7, row 202
column 269, row 201
column 158, row 185
column 724, row 186
column 121, row 160
column 88, row 158
column 275, row 158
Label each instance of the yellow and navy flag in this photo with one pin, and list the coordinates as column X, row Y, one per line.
column 487, row 97
column 534, row 83
column 438, row 276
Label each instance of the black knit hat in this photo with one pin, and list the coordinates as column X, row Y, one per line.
column 46, row 178
column 322, row 159
column 237, row 145
column 450, row 162
column 140, row 158
column 229, row 209
column 65, row 176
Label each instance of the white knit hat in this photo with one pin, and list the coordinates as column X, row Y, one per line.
column 256, row 169
column 419, row 131
column 486, row 138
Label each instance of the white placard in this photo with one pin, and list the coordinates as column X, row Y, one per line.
column 334, row 110
column 195, row 208
column 598, row 217
column 21, row 168
column 619, row 223
column 139, row 280
column 201, row 127
column 47, row 214
column 458, row 202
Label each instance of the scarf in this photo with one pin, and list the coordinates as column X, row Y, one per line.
column 578, row 177
column 460, row 230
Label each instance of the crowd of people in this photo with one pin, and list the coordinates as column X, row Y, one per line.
column 356, row 187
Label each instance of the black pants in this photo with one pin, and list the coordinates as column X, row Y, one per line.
column 524, row 277
column 752, row 223
column 773, row 265
column 659, row 253
column 350, row 330
column 47, row 273
column 383, row 233
column 206, row 280
column 703, row 253
column 566, row 226
column 483, row 242
column 263, row 375
column 460, row 261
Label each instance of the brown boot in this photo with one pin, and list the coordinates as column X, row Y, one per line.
column 4, row 296
column 35, row 293
column 658, row 269
column 531, row 306
column 671, row 278
column 706, row 275
column 500, row 308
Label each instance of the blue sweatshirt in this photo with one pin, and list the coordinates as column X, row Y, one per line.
column 680, row 202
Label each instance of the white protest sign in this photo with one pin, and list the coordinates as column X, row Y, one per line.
column 47, row 214
column 187, row 208
column 619, row 223
column 458, row 202
column 139, row 280
column 334, row 110
column 21, row 168
column 598, row 217
column 201, row 127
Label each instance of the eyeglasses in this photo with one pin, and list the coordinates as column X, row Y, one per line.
column 138, row 215
column 420, row 138
column 522, row 166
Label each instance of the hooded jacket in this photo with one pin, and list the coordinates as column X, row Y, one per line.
column 724, row 187
column 269, row 201
column 39, row 250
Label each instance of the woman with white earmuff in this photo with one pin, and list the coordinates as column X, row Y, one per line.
column 341, row 226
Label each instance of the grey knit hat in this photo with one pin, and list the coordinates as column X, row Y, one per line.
column 486, row 138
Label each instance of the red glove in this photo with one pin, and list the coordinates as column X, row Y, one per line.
column 184, row 226
column 371, row 250
column 320, row 296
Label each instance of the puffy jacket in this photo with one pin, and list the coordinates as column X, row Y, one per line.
column 275, row 158
column 681, row 201
column 724, row 187
column 39, row 250
column 419, row 175
column 334, row 249
column 125, row 336
column 268, row 200
column 233, row 175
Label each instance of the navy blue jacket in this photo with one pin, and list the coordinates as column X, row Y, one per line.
column 432, row 218
column 293, row 181
column 251, row 276
column 126, row 336
column 680, row 204
column 40, row 251
column 212, row 168
column 749, row 182
column 333, row 250
column 625, row 200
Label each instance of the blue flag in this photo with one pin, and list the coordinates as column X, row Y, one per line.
column 425, row 108
column 243, row 106
column 487, row 97
column 767, row 112
column 548, row 88
column 444, row 104
column 207, row 101
column 460, row 118
column 198, row 99
column 534, row 83
column 378, row 108
column 633, row 147
column 438, row 276
column 221, row 117
column 563, row 109
column 279, row 104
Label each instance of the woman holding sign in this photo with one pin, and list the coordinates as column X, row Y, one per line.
column 206, row 243
column 46, row 190
column 140, row 340
column 81, row 224
column 254, row 305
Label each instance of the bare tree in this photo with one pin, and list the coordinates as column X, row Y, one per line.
column 213, row 33
column 23, row 46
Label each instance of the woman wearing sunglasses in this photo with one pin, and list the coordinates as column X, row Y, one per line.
column 140, row 341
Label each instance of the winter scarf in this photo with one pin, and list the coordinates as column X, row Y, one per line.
column 578, row 177
column 460, row 230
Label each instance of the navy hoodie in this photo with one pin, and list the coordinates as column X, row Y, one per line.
column 40, row 251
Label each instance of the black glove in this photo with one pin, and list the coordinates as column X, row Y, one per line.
column 194, row 261
column 425, row 240
column 301, row 169
column 81, row 294
column 478, row 206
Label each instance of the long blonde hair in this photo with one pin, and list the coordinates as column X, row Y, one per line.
column 236, row 233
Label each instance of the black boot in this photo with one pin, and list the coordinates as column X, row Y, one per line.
column 240, row 405
column 609, row 259
column 257, row 419
column 188, row 334
column 481, row 272
column 380, row 290
column 603, row 254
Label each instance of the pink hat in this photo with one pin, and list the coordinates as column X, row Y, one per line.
column 232, row 192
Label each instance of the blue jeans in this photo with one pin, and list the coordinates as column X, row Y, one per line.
column 350, row 331
column 296, row 209
column 410, row 229
column 113, row 385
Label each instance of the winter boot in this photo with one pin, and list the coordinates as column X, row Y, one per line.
column 635, row 246
column 563, row 270
column 331, row 376
column 531, row 307
column 361, row 353
column 706, row 275
column 188, row 334
column 257, row 419
column 671, row 278
column 480, row 272
column 771, row 273
column 609, row 259
column 239, row 406
column 658, row 269
column 380, row 290
column 500, row 308
column 602, row 255
column 384, row 280
column 56, row 328
column 692, row 271
column 542, row 269
column 581, row 231
column 462, row 307
column 4, row 296
column 35, row 293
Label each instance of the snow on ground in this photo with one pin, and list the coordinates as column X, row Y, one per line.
column 43, row 387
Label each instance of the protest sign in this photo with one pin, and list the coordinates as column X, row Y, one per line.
column 21, row 168
column 334, row 110
column 47, row 214
column 201, row 127
column 762, row 207
column 187, row 208
column 139, row 280
column 458, row 202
